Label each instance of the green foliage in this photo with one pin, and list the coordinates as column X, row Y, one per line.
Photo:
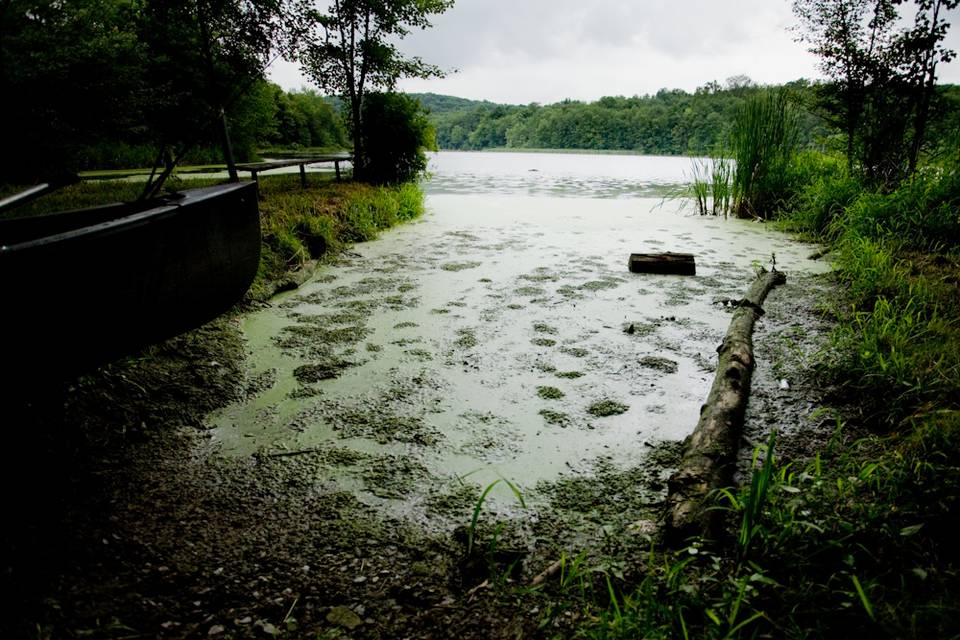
column 921, row 214
column 72, row 75
column 305, row 119
column 883, row 77
column 824, row 189
column 897, row 345
column 765, row 141
column 109, row 83
column 351, row 49
column 395, row 133
column 668, row 122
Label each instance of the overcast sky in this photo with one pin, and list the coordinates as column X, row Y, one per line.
column 522, row 51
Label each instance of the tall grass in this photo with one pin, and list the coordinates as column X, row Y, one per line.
column 303, row 224
column 711, row 185
column 765, row 142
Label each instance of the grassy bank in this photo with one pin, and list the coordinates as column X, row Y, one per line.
column 860, row 536
column 302, row 225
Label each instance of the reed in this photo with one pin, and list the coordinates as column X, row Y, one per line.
column 711, row 185
column 765, row 142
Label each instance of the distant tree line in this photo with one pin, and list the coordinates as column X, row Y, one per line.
column 670, row 122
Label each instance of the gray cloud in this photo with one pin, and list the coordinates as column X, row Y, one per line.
column 548, row 50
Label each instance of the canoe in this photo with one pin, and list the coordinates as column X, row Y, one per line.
column 84, row 287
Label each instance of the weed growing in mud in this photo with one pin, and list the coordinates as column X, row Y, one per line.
column 857, row 536
column 604, row 408
column 472, row 529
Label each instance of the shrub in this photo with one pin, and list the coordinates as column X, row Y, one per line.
column 395, row 133
column 924, row 213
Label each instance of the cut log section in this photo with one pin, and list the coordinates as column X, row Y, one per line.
column 711, row 451
column 682, row 264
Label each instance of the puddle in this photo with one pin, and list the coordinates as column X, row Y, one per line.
column 502, row 336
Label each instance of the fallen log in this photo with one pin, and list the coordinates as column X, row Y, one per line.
column 711, row 451
column 682, row 264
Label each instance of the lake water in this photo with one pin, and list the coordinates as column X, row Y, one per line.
column 481, row 341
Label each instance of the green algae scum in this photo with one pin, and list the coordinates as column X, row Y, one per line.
column 500, row 336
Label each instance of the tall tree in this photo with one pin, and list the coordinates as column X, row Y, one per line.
column 922, row 50
column 207, row 53
column 853, row 39
column 882, row 77
column 71, row 74
column 350, row 49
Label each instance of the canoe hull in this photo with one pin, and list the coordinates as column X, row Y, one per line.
column 78, row 298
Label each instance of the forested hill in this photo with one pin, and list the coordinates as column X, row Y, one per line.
column 672, row 121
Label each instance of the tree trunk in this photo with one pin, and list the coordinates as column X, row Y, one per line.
column 711, row 451
column 357, row 134
column 227, row 147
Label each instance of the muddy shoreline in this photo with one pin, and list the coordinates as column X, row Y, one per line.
column 154, row 535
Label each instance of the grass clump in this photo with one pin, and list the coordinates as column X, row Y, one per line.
column 765, row 142
column 711, row 185
column 660, row 364
column 543, row 327
column 466, row 339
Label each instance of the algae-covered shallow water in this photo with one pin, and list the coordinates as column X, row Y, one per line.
column 500, row 336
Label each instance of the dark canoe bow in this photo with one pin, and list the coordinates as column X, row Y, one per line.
column 84, row 287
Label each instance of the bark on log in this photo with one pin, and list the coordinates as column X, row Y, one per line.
column 711, row 451
column 682, row 264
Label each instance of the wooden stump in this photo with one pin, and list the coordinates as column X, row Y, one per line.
column 711, row 451
column 682, row 264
